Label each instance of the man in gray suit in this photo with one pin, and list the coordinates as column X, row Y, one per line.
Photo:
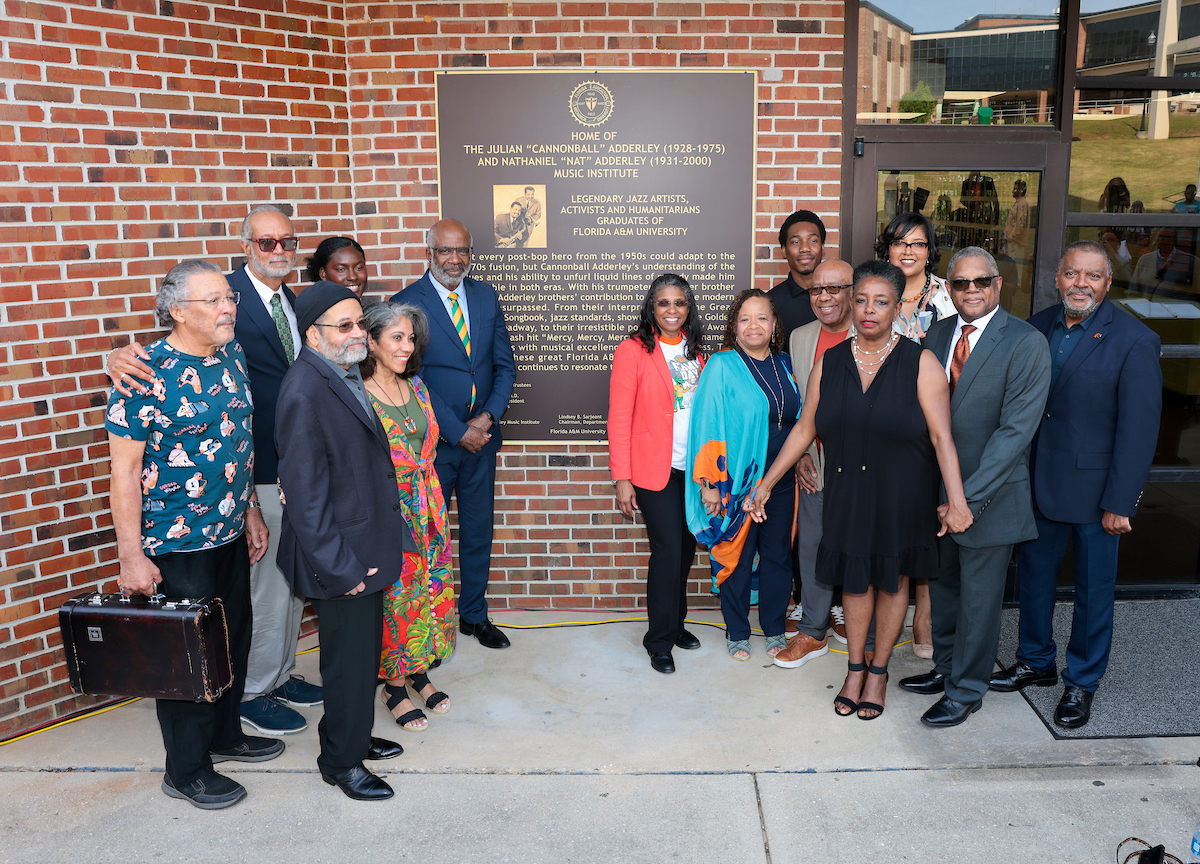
column 999, row 372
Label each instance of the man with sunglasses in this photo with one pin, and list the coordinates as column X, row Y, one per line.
column 266, row 330
column 469, row 369
column 344, row 535
column 832, row 287
column 998, row 367
column 1090, row 462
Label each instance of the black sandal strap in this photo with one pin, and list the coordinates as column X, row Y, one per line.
column 409, row 716
column 436, row 699
column 396, row 695
column 420, row 680
column 877, row 670
column 855, row 667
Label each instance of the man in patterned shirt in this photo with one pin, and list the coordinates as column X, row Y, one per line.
column 185, row 512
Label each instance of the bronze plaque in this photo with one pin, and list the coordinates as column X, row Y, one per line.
column 579, row 189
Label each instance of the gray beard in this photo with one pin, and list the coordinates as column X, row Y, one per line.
column 445, row 279
column 354, row 351
column 1086, row 310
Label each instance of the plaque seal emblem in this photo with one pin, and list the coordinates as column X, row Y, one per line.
column 591, row 103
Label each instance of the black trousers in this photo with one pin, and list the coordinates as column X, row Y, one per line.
column 772, row 540
column 191, row 730
column 672, row 549
column 351, row 632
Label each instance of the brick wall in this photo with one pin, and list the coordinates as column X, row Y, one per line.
column 135, row 133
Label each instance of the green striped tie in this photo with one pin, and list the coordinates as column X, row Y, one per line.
column 284, row 328
column 460, row 324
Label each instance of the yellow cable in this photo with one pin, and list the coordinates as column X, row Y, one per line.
column 70, row 720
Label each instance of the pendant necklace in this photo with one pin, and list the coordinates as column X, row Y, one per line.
column 409, row 424
column 767, row 387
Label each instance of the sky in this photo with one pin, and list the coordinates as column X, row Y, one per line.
column 926, row 17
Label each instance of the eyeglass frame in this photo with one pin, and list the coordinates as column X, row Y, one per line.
column 276, row 243
column 917, row 245
column 831, row 290
column 346, row 326
column 212, row 302
column 447, row 251
column 963, row 284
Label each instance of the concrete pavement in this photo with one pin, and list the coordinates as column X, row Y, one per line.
column 568, row 747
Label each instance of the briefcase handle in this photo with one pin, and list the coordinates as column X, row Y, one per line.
column 154, row 597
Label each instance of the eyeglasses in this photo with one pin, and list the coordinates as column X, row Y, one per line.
column 445, row 251
column 980, row 282
column 828, row 289
column 347, row 326
column 917, row 246
column 269, row 244
column 214, row 302
column 667, row 304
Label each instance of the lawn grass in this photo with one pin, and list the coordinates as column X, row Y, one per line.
column 1154, row 171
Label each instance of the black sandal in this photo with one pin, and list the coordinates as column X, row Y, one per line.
column 842, row 700
column 396, row 695
column 873, row 706
column 419, row 682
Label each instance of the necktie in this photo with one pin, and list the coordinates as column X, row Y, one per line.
column 961, row 352
column 460, row 324
column 284, row 328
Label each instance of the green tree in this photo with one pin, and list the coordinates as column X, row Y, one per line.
column 919, row 100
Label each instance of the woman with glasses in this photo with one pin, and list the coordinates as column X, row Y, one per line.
column 654, row 377
column 881, row 406
column 910, row 243
column 746, row 404
column 418, row 611
column 340, row 260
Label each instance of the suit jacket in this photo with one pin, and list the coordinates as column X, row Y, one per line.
column 449, row 373
column 994, row 414
column 342, row 515
column 803, row 347
column 641, row 416
column 266, row 364
column 1094, row 448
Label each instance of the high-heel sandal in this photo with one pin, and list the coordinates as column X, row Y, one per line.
column 396, row 695
column 842, row 700
column 419, row 682
column 873, row 706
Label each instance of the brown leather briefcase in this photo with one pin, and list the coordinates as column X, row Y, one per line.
column 159, row 647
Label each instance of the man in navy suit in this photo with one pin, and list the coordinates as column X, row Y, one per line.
column 469, row 370
column 266, row 330
column 1090, row 462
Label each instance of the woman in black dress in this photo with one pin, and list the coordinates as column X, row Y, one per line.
column 881, row 405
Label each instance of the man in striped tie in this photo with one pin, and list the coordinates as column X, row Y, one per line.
column 469, row 369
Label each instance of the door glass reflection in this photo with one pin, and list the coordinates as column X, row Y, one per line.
column 996, row 210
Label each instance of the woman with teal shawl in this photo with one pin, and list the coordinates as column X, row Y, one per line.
column 745, row 405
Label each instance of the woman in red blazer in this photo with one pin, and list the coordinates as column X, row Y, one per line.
column 654, row 376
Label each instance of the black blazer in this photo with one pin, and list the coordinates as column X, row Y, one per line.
column 1094, row 448
column 342, row 515
column 266, row 363
column 449, row 373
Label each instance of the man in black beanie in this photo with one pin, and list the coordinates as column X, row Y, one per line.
column 344, row 536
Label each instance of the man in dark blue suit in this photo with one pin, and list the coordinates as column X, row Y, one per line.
column 469, row 370
column 1089, row 462
column 266, row 330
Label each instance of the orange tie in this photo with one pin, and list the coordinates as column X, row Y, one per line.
column 961, row 352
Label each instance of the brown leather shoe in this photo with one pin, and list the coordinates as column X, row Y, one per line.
column 799, row 650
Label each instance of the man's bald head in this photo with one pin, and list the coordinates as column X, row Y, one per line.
column 833, row 272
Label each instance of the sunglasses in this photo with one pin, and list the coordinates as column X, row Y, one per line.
column 667, row 304
column 979, row 282
column 269, row 244
column 347, row 326
column 829, row 289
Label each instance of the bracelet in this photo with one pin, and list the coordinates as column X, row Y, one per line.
column 253, row 505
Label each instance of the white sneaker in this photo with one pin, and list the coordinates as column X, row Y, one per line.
column 837, row 623
column 791, row 624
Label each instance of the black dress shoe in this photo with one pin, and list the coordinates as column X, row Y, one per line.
column 928, row 684
column 360, row 784
column 946, row 712
column 686, row 641
column 486, row 632
column 1074, row 708
column 1019, row 676
column 663, row 662
column 381, row 748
